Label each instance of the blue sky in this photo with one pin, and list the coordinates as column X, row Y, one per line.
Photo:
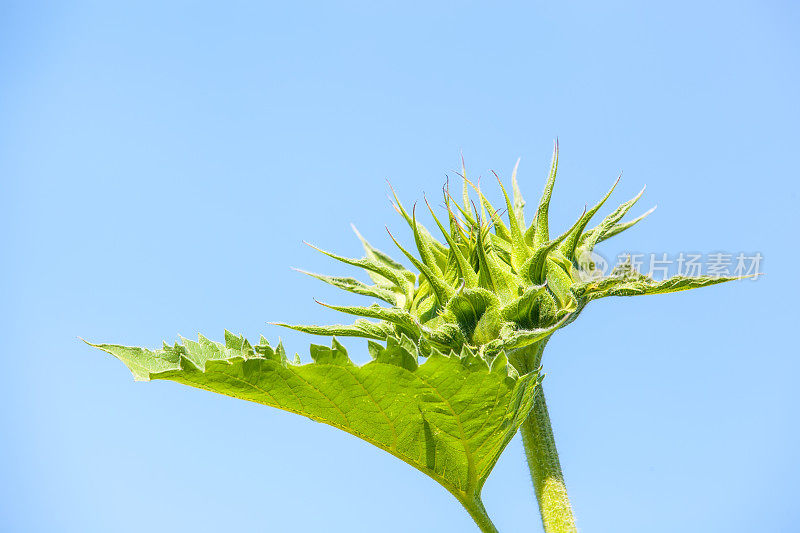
column 160, row 166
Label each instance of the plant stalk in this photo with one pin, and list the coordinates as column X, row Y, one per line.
column 548, row 480
column 478, row 513
column 540, row 450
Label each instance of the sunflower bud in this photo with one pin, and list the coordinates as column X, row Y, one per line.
column 490, row 289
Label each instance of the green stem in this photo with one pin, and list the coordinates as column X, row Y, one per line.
column 548, row 480
column 478, row 513
column 540, row 450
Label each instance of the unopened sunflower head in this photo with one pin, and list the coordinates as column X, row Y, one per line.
column 490, row 290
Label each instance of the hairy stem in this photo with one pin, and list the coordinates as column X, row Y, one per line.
column 540, row 450
column 548, row 480
column 478, row 513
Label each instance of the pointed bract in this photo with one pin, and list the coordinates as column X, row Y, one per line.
column 541, row 223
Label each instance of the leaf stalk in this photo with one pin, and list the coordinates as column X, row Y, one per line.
column 477, row 511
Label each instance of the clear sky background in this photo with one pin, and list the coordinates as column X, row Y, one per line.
column 160, row 166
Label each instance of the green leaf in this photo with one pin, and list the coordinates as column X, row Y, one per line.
column 401, row 352
column 619, row 228
column 521, row 309
column 439, row 285
column 569, row 244
column 533, row 269
column 525, row 337
column 519, row 202
column 465, row 189
column 428, row 247
column 446, row 336
column 465, row 209
column 492, row 275
column 468, row 306
column 399, row 317
column 608, row 223
column 379, row 256
column 335, row 355
column 540, row 226
column 424, row 242
column 497, row 221
column 357, row 287
column 445, row 417
column 360, row 328
column 375, row 266
column 469, row 276
column 489, row 327
column 519, row 250
column 641, row 285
